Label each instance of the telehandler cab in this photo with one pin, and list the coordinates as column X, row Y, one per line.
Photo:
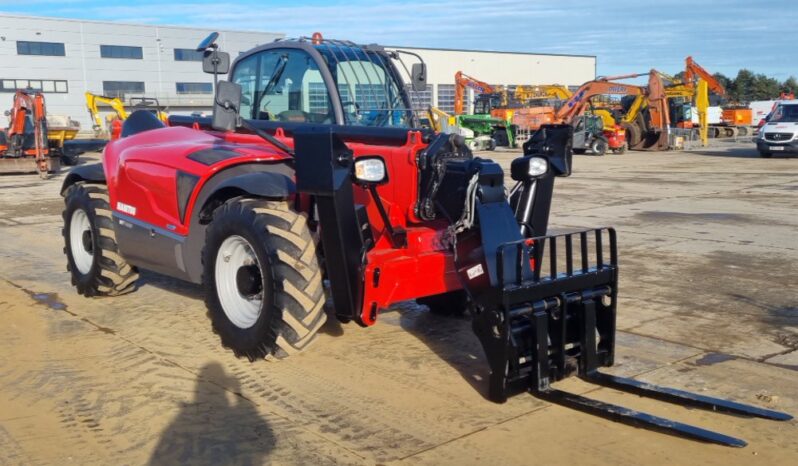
column 309, row 170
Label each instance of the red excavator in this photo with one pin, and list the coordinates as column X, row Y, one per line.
column 23, row 145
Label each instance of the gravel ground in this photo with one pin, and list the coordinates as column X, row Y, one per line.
column 708, row 302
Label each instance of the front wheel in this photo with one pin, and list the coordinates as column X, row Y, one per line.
column 599, row 147
column 263, row 284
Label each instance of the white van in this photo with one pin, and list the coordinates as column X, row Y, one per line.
column 780, row 133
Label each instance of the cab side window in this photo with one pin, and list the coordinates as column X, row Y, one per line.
column 283, row 85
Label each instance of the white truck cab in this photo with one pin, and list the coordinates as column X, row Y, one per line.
column 780, row 133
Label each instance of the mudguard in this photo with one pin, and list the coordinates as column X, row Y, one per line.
column 93, row 173
column 265, row 184
column 252, row 179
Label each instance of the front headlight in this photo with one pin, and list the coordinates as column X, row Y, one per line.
column 370, row 170
column 538, row 166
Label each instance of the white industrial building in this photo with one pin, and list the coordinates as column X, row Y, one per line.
column 65, row 58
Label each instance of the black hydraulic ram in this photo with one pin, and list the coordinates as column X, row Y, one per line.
column 545, row 305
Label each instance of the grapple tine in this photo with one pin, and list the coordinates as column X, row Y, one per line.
column 682, row 397
column 637, row 418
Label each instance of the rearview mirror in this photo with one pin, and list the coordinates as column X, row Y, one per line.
column 418, row 77
column 215, row 62
column 226, row 105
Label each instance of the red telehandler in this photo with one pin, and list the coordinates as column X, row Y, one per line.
column 23, row 145
column 235, row 201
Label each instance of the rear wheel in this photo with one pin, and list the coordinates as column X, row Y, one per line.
column 620, row 150
column 93, row 257
column 453, row 303
column 263, row 284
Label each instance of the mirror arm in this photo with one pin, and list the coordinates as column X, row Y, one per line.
column 215, row 61
column 268, row 137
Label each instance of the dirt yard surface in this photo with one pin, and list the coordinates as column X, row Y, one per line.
column 708, row 302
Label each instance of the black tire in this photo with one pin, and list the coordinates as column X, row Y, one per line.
column 109, row 274
column 599, row 146
column 290, row 311
column 501, row 138
column 633, row 134
column 453, row 303
column 765, row 154
column 69, row 159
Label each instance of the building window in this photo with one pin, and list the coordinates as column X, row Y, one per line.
column 446, row 97
column 121, row 51
column 317, row 97
column 120, row 88
column 45, row 85
column 194, row 88
column 371, row 97
column 52, row 49
column 188, row 55
column 420, row 100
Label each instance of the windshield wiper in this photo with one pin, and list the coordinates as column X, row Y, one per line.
column 277, row 73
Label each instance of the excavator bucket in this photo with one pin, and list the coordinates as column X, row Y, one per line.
column 544, row 306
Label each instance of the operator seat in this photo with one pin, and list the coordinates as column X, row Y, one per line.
column 140, row 121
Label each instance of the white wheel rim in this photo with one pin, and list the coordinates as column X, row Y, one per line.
column 235, row 253
column 79, row 226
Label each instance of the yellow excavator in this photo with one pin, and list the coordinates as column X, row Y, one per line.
column 526, row 93
column 118, row 106
column 103, row 127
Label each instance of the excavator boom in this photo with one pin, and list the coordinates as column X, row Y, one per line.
column 116, row 104
column 693, row 71
column 461, row 81
column 580, row 99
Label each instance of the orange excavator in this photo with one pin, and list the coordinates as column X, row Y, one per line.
column 648, row 131
column 461, row 81
column 24, row 145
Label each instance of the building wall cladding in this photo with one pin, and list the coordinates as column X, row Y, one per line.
column 84, row 69
column 160, row 68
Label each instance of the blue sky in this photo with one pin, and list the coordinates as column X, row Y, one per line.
column 626, row 35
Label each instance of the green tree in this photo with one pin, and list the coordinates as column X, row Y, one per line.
column 742, row 86
column 790, row 85
column 763, row 88
column 724, row 81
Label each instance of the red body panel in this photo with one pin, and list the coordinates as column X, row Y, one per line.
column 141, row 171
column 615, row 138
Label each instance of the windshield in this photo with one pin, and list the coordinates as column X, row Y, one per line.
column 371, row 93
column 785, row 114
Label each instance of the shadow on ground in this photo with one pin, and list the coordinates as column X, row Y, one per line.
column 737, row 152
column 453, row 340
column 173, row 285
column 210, row 430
